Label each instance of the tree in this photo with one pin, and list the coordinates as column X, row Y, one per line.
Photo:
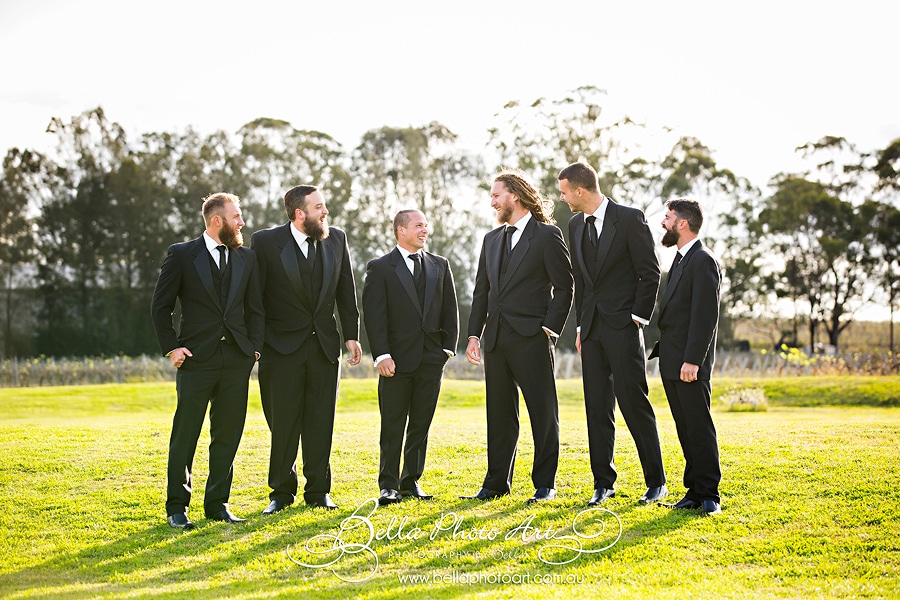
column 820, row 239
column 23, row 175
column 422, row 168
column 275, row 157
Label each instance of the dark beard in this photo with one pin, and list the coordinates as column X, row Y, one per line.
column 231, row 237
column 504, row 215
column 315, row 230
column 669, row 238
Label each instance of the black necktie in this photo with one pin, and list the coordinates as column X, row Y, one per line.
column 311, row 251
column 222, row 263
column 417, row 276
column 592, row 230
column 674, row 264
column 417, row 265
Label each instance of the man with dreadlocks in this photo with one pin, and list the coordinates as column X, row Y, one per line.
column 523, row 293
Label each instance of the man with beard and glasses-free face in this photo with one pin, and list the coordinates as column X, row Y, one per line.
column 522, row 296
column 688, row 322
column 411, row 316
column 616, row 280
column 306, row 274
column 218, row 340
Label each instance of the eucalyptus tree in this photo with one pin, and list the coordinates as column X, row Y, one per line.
column 395, row 168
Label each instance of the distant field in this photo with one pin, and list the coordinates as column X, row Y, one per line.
column 809, row 498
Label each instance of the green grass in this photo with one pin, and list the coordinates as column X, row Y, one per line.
column 809, row 496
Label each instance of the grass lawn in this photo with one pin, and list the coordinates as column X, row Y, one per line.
column 810, row 505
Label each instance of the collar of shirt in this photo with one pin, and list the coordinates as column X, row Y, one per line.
column 684, row 249
column 519, row 227
column 300, row 238
column 211, row 246
column 409, row 263
column 600, row 213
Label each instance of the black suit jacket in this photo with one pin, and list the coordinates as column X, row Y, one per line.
column 534, row 292
column 626, row 276
column 186, row 273
column 290, row 319
column 689, row 315
column 395, row 321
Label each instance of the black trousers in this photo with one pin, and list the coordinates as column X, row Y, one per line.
column 220, row 383
column 613, row 368
column 524, row 362
column 406, row 401
column 299, row 395
column 690, row 402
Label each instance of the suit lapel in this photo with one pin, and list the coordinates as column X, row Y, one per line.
column 607, row 234
column 675, row 276
column 326, row 247
column 431, row 276
column 406, row 279
column 201, row 264
column 518, row 253
column 289, row 261
column 237, row 273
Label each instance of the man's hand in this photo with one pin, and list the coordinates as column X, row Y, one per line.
column 689, row 372
column 355, row 352
column 473, row 351
column 178, row 355
column 578, row 342
column 386, row 367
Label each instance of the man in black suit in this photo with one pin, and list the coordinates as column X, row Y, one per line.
column 411, row 316
column 305, row 273
column 218, row 340
column 616, row 280
column 522, row 297
column 688, row 322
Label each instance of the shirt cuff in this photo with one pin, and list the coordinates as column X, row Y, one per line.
column 640, row 320
column 450, row 353
column 551, row 332
column 381, row 358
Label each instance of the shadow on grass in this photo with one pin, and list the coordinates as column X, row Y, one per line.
column 446, row 548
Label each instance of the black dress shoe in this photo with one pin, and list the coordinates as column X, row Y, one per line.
column 180, row 521
column 416, row 492
column 224, row 515
column 541, row 494
column 684, row 503
column 654, row 494
column 320, row 501
column 485, row 494
column 389, row 496
column 275, row 506
column 710, row 507
column 601, row 495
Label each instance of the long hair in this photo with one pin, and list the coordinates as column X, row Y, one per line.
column 515, row 182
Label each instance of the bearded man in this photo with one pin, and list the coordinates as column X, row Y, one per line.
column 217, row 343
column 305, row 274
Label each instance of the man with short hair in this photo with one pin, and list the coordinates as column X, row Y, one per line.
column 522, row 297
column 688, row 322
column 411, row 316
column 217, row 342
column 616, row 280
column 306, row 274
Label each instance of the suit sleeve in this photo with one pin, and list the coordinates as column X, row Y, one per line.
column 576, row 272
column 559, row 268
column 254, row 311
column 345, row 297
column 646, row 265
column 478, row 314
column 450, row 311
column 163, row 303
column 374, row 299
column 704, row 315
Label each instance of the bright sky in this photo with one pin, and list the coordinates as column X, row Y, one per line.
column 751, row 80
